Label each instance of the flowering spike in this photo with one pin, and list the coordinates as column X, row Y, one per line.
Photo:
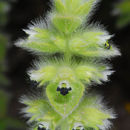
column 66, row 77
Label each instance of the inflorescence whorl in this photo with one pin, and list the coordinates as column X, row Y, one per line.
column 74, row 60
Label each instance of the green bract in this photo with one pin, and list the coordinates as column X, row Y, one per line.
column 39, row 110
column 77, row 56
column 90, row 113
column 64, row 105
column 57, row 71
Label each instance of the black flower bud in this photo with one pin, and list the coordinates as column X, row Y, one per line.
column 64, row 88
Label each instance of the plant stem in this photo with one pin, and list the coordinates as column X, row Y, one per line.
column 67, row 55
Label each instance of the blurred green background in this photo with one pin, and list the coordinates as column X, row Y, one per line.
column 123, row 9
column 15, row 15
column 6, row 120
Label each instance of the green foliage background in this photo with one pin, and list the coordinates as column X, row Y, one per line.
column 124, row 13
column 6, row 121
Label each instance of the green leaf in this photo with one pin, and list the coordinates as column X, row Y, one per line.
column 44, row 74
column 91, row 43
column 43, row 41
column 66, row 24
column 91, row 113
column 72, row 5
column 40, row 110
column 41, row 33
column 85, row 8
column 88, row 73
column 59, row 6
column 46, row 47
column 65, row 104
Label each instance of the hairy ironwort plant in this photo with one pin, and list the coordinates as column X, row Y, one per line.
column 82, row 51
